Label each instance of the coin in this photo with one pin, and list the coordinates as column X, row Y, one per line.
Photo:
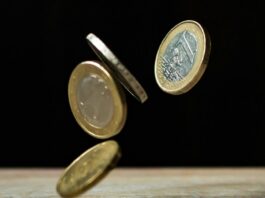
column 122, row 74
column 96, row 100
column 182, row 57
column 88, row 168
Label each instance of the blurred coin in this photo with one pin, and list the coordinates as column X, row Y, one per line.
column 96, row 100
column 117, row 68
column 182, row 57
column 88, row 168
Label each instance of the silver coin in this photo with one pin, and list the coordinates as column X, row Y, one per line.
column 121, row 73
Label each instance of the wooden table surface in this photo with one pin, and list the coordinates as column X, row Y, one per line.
column 142, row 182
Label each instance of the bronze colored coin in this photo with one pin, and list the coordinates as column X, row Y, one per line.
column 96, row 100
column 182, row 57
column 88, row 168
column 120, row 72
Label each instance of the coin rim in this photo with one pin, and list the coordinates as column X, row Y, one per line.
column 100, row 174
column 120, row 107
column 120, row 72
column 196, row 72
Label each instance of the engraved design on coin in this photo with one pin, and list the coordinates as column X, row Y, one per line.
column 90, row 167
column 95, row 100
column 179, row 56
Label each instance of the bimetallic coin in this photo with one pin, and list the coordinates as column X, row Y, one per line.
column 88, row 168
column 182, row 57
column 117, row 68
column 96, row 100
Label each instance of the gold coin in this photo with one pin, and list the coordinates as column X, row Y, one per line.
column 96, row 100
column 88, row 168
column 121, row 73
column 182, row 57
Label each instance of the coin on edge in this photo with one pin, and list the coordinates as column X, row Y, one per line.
column 97, row 101
column 122, row 74
column 182, row 57
column 89, row 168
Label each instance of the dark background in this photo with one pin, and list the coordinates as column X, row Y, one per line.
column 220, row 122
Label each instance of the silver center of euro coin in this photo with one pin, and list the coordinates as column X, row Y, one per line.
column 179, row 56
column 95, row 100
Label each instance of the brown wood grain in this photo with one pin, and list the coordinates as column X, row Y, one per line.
column 142, row 182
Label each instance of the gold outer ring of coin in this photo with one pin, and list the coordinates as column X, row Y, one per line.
column 199, row 65
column 118, row 118
column 89, row 168
column 122, row 74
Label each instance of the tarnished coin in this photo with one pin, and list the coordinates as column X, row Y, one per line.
column 88, row 168
column 117, row 68
column 96, row 100
column 182, row 57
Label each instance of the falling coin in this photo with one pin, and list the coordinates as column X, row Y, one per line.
column 117, row 68
column 182, row 57
column 88, row 168
column 96, row 100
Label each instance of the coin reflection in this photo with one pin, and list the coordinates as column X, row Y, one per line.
column 95, row 100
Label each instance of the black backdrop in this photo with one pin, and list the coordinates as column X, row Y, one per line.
column 220, row 122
